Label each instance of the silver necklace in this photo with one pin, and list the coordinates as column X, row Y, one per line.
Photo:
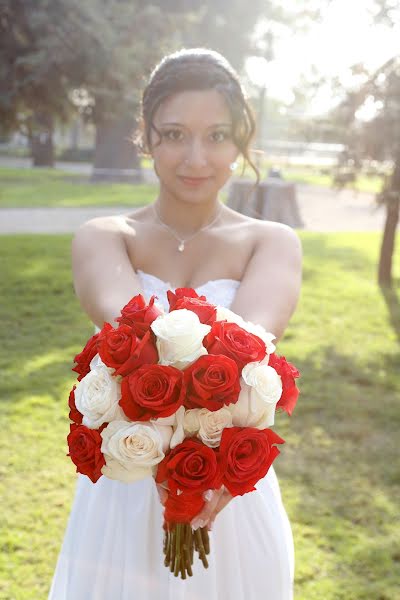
column 182, row 241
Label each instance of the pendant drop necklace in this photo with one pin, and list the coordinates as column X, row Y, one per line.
column 182, row 242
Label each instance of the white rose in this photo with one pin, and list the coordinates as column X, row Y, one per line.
column 212, row 424
column 132, row 450
column 179, row 337
column 224, row 314
column 191, row 422
column 261, row 388
column 97, row 396
column 176, row 422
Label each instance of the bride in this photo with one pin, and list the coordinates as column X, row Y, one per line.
column 196, row 123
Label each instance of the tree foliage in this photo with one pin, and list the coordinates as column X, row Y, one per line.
column 38, row 50
column 377, row 137
column 57, row 56
column 50, row 47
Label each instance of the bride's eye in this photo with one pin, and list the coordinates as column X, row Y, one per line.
column 219, row 136
column 173, row 135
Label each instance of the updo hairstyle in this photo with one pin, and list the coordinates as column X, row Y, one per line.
column 197, row 69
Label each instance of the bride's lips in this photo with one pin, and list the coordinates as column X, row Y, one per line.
column 193, row 181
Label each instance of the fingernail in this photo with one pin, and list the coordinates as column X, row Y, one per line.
column 208, row 495
column 196, row 523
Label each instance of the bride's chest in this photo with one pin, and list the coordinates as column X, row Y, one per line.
column 220, row 292
column 208, row 258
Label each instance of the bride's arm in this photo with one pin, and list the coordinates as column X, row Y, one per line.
column 270, row 288
column 267, row 295
column 104, row 279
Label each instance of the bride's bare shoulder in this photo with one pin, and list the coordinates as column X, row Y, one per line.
column 109, row 227
column 266, row 234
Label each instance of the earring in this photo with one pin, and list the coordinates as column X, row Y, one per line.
column 153, row 164
column 233, row 166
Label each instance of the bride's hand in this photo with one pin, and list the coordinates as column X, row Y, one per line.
column 216, row 500
column 162, row 492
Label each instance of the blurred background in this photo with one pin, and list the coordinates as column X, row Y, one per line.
column 323, row 78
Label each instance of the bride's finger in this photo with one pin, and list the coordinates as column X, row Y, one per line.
column 225, row 498
column 223, row 501
column 204, row 515
column 162, row 493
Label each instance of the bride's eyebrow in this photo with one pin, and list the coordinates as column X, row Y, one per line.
column 172, row 124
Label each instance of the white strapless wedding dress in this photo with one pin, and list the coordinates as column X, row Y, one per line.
column 112, row 548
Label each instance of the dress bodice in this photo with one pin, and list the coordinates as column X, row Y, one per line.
column 217, row 291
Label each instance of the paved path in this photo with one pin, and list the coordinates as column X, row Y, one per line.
column 324, row 209
column 321, row 209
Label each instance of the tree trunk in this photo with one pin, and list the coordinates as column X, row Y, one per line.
column 116, row 158
column 389, row 232
column 41, row 140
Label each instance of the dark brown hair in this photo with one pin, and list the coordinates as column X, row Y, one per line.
column 198, row 69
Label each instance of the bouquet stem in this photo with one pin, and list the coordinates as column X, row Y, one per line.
column 180, row 542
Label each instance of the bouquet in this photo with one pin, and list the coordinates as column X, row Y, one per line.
column 187, row 397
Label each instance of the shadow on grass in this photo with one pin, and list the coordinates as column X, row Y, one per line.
column 339, row 471
column 45, row 325
column 391, row 298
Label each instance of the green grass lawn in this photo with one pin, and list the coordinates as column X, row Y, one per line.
column 51, row 187
column 314, row 175
column 371, row 184
column 339, row 469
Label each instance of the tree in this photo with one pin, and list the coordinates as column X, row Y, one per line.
column 51, row 47
column 377, row 137
column 134, row 36
column 38, row 49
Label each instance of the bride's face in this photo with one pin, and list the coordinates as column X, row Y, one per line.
column 196, row 150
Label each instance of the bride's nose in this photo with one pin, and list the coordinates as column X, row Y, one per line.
column 196, row 154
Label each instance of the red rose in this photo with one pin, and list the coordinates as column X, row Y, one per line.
column 152, row 391
column 236, row 343
column 191, row 467
column 85, row 451
column 182, row 508
column 211, row 382
column 85, row 357
column 139, row 315
column 122, row 350
column 245, row 455
column 288, row 373
column 115, row 346
column 204, row 310
column 74, row 413
column 181, row 293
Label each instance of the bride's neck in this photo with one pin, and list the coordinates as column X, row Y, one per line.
column 185, row 218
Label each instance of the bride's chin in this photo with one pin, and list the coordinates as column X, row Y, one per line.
column 192, row 197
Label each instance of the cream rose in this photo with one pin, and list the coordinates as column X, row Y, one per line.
column 179, row 337
column 132, row 450
column 191, row 423
column 224, row 314
column 176, row 422
column 97, row 396
column 207, row 425
column 212, row 424
column 261, row 388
